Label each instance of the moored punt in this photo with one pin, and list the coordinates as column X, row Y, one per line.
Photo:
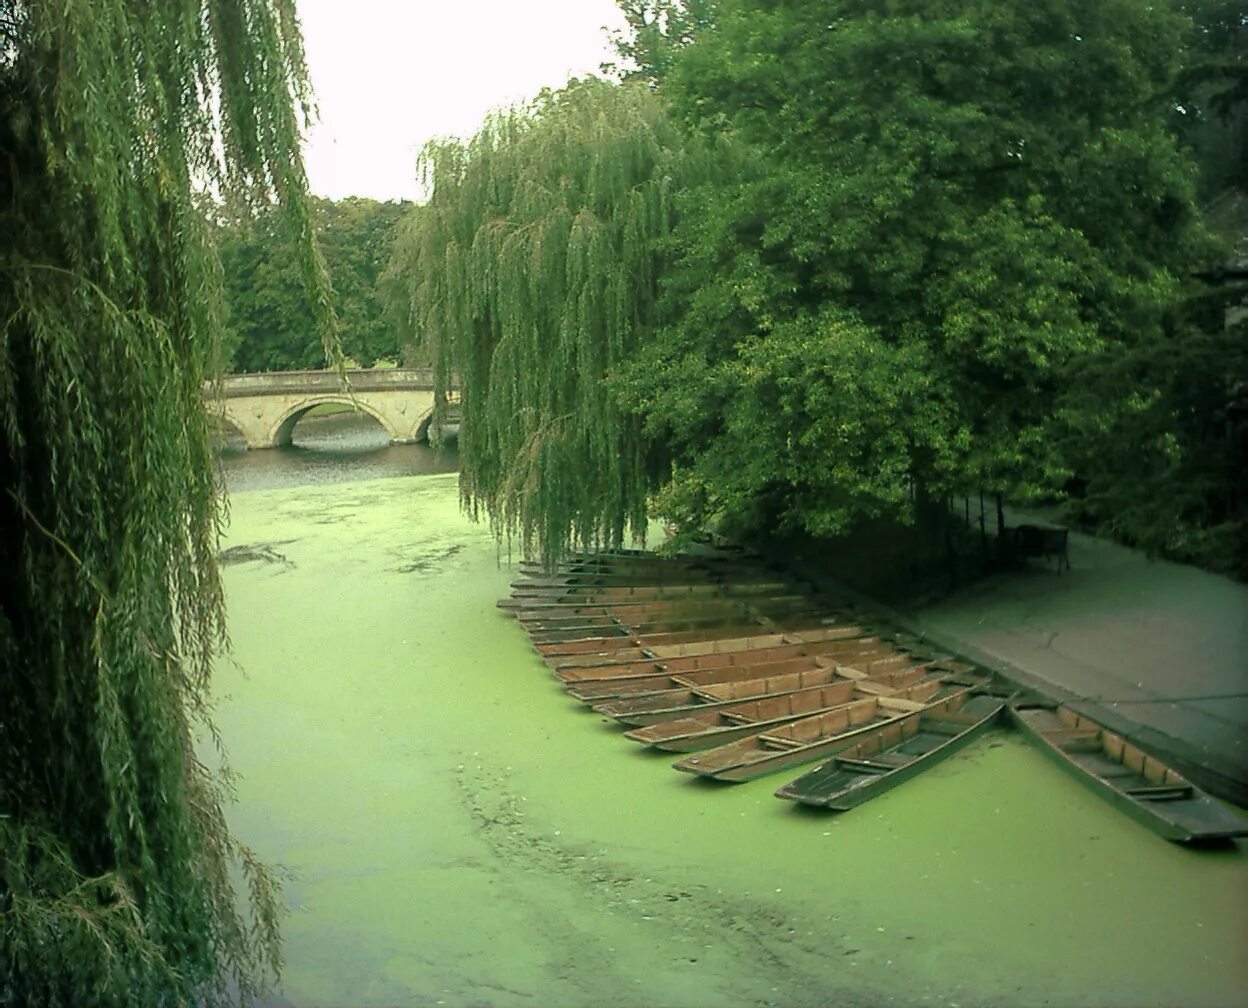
column 665, row 617
column 724, row 672
column 881, row 674
column 552, row 607
column 881, row 759
column 560, row 616
column 645, row 627
column 642, row 562
column 648, row 593
column 564, row 616
column 628, row 663
column 649, row 641
column 1138, row 784
column 810, row 738
column 720, row 723
column 651, row 576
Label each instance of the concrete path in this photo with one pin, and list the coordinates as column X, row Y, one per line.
column 1155, row 650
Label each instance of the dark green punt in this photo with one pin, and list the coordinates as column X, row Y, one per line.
column 894, row 752
column 1138, row 784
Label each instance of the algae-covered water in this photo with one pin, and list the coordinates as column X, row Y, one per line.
column 458, row 831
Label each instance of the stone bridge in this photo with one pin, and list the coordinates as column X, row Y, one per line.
column 264, row 408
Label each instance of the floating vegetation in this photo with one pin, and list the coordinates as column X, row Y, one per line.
column 261, row 552
column 428, row 561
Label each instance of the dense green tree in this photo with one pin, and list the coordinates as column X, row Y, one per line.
column 271, row 323
column 532, row 273
column 1211, row 96
column 117, row 872
column 946, row 208
column 914, row 249
column 655, row 31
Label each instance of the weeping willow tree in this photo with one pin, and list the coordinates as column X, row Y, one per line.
column 117, row 872
column 530, row 274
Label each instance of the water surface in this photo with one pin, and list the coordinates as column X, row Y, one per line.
column 333, row 448
column 458, row 831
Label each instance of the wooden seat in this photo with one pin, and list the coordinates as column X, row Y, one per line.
column 1161, row 792
column 873, row 765
column 778, row 742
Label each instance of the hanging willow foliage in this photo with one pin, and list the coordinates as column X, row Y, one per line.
column 531, row 273
column 117, row 872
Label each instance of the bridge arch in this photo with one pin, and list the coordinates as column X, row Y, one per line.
column 283, row 431
column 222, row 424
column 266, row 407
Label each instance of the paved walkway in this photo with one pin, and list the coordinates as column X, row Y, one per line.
column 1157, row 651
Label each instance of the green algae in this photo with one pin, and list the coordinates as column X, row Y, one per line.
column 459, row 831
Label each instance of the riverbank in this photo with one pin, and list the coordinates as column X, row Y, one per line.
column 1156, row 650
column 458, row 831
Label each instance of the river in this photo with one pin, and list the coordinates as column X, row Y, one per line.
column 456, row 830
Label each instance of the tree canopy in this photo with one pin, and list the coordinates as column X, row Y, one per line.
column 947, row 207
column 270, row 321
column 913, row 257
column 118, row 869
column 532, row 273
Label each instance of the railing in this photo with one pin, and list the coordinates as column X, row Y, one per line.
column 372, row 380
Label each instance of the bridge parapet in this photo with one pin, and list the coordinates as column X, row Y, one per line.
column 371, row 380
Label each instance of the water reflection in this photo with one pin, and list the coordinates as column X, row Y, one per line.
column 330, row 449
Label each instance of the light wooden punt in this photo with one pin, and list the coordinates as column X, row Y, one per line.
column 717, row 724
column 716, row 675
column 644, row 628
column 665, row 617
column 647, row 593
column 648, row 641
column 536, row 608
column 881, row 665
column 701, row 670
column 805, row 740
column 885, row 757
column 1136, row 783
column 654, row 576
column 643, row 562
column 619, row 664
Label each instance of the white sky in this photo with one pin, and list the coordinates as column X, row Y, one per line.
column 391, row 74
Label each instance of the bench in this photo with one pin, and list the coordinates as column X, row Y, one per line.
column 1042, row 542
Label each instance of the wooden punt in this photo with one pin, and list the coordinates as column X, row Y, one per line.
column 895, row 752
column 652, row 577
column 649, row 641
column 642, row 618
column 701, row 670
column 809, row 738
column 721, row 674
column 648, row 593
column 621, row 663
column 610, row 629
column 563, row 616
column 720, row 723
column 597, row 561
column 1138, row 784
column 549, row 607
column 892, row 670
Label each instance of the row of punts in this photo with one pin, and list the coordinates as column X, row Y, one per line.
column 744, row 673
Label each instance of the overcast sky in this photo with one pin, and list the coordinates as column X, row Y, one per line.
column 391, row 74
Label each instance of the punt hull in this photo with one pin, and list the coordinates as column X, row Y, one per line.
column 716, row 670
column 800, row 741
column 701, row 733
column 864, row 770
column 1143, row 787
